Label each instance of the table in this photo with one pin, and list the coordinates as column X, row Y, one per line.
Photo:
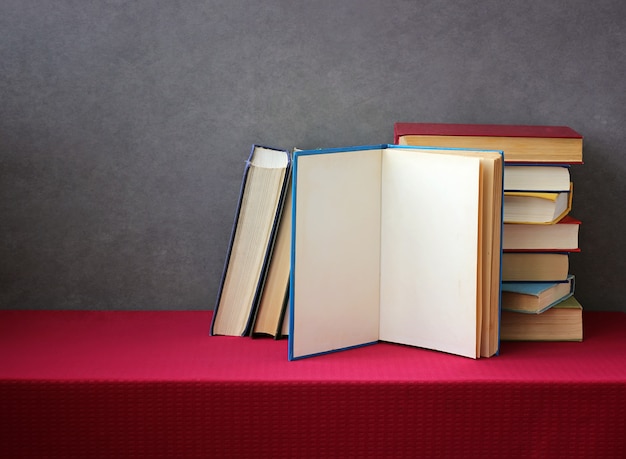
column 155, row 384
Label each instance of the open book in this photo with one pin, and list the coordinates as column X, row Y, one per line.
column 397, row 244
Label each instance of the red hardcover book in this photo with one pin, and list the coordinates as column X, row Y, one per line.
column 520, row 143
column 559, row 237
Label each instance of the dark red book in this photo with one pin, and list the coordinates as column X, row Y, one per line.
column 520, row 143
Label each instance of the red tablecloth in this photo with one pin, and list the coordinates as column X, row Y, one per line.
column 154, row 384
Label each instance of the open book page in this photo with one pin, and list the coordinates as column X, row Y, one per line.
column 337, row 246
column 429, row 265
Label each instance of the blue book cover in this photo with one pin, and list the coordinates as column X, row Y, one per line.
column 535, row 297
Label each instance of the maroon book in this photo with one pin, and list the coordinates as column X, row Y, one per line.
column 520, row 143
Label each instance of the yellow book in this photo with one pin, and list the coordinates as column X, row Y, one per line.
column 537, row 207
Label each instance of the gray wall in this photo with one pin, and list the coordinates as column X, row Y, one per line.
column 124, row 125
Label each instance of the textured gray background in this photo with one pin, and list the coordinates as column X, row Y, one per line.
column 124, row 125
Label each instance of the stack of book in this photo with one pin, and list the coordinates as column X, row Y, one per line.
column 539, row 234
column 505, row 190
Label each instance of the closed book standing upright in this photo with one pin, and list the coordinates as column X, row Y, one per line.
column 252, row 240
column 270, row 312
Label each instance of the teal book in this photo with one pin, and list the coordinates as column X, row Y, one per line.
column 395, row 244
column 535, row 297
